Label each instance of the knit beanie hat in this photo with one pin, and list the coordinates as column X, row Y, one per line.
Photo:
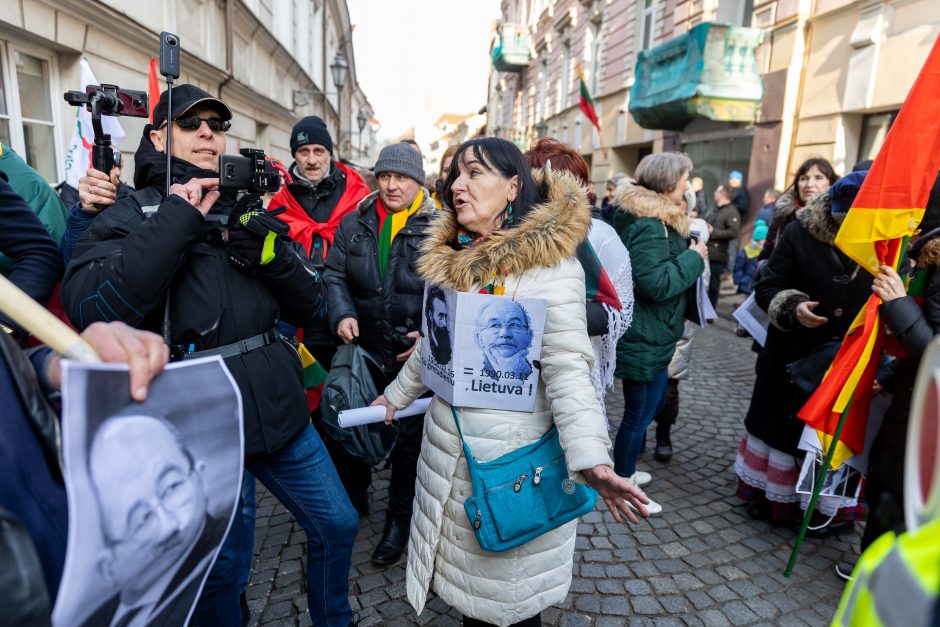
column 760, row 230
column 736, row 176
column 843, row 192
column 931, row 218
column 401, row 159
column 310, row 130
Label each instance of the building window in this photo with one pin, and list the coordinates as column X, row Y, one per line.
column 27, row 114
column 647, row 24
column 595, row 61
column 564, row 85
column 543, row 90
column 874, row 130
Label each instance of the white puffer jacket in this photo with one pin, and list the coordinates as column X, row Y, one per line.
column 504, row 588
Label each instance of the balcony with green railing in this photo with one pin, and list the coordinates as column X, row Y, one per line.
column 709, row 72
column 512, row 51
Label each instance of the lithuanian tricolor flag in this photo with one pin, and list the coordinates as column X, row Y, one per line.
column 886, row 212
column 587, row 107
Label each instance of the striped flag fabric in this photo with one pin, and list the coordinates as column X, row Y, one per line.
column 889, row 206
column 587, row 103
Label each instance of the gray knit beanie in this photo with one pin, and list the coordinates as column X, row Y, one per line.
column 401, row 159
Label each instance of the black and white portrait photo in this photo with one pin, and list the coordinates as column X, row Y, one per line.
column 504, row 337
column 437, row 320
column 152, row 488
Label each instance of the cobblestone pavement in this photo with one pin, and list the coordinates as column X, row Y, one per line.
column 703, row 561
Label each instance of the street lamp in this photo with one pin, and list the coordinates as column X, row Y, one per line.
column 541, row 129
column 361, row 120
column 339, row 68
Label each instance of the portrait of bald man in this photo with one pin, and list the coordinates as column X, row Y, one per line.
column 159, row 537
column 504, row 336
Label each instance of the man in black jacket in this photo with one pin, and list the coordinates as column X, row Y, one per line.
column 321, row 192
column 724, row 225
column 215, row 276
column 371, row 278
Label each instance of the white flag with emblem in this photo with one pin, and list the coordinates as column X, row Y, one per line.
column 78, row 157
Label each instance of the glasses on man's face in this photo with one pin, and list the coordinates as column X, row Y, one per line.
column 193, row 122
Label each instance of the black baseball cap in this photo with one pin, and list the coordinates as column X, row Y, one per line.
column 185, row 97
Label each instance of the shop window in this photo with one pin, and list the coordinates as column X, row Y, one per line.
column 874, row 130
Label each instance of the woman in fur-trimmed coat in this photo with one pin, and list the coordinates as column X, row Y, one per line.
column 500, row 234
column 811, row 292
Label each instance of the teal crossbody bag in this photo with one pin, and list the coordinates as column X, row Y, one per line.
column 523, row 494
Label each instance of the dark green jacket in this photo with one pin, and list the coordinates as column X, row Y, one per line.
column 655, row 232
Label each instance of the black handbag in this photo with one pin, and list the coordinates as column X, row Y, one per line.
column 807, row 372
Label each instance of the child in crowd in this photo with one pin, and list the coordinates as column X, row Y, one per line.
column 745, row 266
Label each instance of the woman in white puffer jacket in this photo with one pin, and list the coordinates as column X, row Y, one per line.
column 498, row 234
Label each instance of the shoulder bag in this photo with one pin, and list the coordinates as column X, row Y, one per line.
column 523, row 494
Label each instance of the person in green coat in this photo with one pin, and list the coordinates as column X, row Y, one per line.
column 652, row 221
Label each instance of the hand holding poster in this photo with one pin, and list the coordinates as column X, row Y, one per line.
column 152, row 488
column 480, row 350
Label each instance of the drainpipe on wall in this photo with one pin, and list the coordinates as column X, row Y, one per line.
column 229, row 35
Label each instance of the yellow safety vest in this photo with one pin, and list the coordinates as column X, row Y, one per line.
column 896, row 581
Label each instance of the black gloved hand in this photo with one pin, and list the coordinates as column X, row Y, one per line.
column 254, row 238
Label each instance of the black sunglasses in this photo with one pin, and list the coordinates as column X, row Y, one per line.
column 193, row 122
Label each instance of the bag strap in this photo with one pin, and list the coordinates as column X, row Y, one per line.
column 471, row 462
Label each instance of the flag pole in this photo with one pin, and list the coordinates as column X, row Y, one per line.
column 817, row 488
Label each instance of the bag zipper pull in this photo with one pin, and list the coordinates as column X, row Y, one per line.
column 476, row 521
column 537, row 479
column 519, row 481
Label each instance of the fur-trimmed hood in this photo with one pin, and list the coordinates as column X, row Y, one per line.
column 550, row 232
column 428, row 208
column 816, row 217
column 645, row 203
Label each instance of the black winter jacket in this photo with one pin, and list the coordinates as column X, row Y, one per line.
column 726, row 226
column 805, row 266
column 385, row 310
column 318, row 200
column 915, row 326
column 125, row 264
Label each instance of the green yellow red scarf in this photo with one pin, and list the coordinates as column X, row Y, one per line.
column 388, row 229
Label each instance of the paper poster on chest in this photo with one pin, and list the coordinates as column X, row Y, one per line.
column 480, row 350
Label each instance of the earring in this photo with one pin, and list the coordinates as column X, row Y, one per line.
column 509, row 213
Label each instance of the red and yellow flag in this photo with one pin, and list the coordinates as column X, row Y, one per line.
column 887, row 210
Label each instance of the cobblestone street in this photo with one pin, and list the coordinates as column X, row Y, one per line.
column 703, row 561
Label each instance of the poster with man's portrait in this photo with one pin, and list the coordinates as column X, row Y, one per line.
column 491, row 344
column 152, row 487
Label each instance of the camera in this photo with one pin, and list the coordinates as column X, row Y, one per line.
column 111, row 100
column 249, row 172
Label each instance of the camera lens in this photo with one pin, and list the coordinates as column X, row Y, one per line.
column 230, row 171
column 170, row 40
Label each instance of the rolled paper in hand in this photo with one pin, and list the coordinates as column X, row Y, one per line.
column 370, row 415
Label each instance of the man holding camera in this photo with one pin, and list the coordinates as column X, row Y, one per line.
column 215, row 274
column 375, row 298
column 321, row 192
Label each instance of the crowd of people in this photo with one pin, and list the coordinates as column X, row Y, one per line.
column 340, row 257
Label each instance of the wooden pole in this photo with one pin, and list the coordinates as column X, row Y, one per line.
column 36, row 319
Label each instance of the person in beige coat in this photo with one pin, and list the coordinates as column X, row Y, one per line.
column 502, row 233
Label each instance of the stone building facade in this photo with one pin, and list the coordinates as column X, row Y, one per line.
column 268, row 59
column 752, row 85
